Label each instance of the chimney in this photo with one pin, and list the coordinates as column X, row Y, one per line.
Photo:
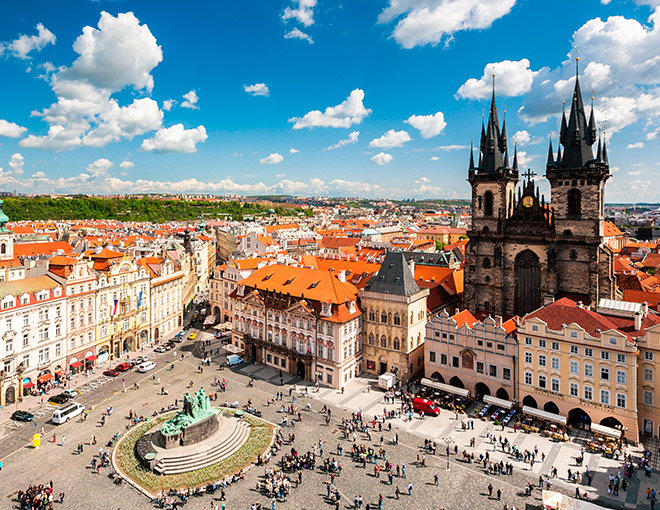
column 98, row 249
column 498, row 320
column 341, row 275
column 411, row 265
column 638, row 321
column 645, row 307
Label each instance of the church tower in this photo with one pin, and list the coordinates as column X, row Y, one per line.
column 6, row 238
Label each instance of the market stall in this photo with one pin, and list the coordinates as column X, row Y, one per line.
column 548, row 424
column 446, row 396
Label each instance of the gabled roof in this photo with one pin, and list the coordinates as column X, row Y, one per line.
column 394, row 277
column 464, row 317
column 36, row 249
column 611, row 230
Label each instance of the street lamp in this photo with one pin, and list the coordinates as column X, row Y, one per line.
column 448, row 440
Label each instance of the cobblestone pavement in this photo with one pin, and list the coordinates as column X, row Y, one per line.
column 463, row 486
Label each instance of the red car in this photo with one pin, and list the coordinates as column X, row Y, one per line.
column 123, row 367
column 111, row 373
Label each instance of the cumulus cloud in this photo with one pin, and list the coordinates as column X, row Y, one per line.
column 279, row 176
column 175, row 139
column 16, row 163
column 303, row 13
column 126, row 165
column 190, row 100
column 638, row 145
column 382, row 158
column 512, row 78
column 26, row 44
column 448, row 148
column 272, row 159
column 422, row 22
column 350, row 111
column 99, row 167
column 168, row 104
column 390, row 139
column 434, row 158
column 635, row 172
column 428, row 125
column 352, row 138
column 258, row 89
column 293, row 151
column 11, row 129
column 422, row 180
column 298, row 34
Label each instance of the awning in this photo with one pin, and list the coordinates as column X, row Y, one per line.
column 606, row 431
column 44, row 378
column 28, row 385
column 233, row 348
column 76, row 364
column 461, row 392
column 544, row 415
column 499, row 402
column 59, row 372
column 91, row 357
column 209, row 320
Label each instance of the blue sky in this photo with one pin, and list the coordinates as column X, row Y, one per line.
column 314, row 97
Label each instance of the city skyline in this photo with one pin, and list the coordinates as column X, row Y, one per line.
column 272, row 101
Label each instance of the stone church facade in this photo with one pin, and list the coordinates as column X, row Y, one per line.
column 523, row 252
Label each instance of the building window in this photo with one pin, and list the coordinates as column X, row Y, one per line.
column 574, row 202
column 542, row 381
column 574, row 367
column 542, row 343
column 9, row 346
column 648, row 374
column 397, row 319
column 588, row 352
column 621, row 377
column 371, row 339
column 605, row 397
column 58, row 350
column 554, row 385
column 480, row 367
column 488, row 203
column 648, row 397
column 621, row 358
column 455, row 361
column 383, row 317
column 613, row 340
column 588, row 393
column 554, row 363
column 542, row 360
column 554, row 346
column 528, row 340
column 528, row 357
column 26, row 339
column 443, row 359
column 621, row 400
column 605, row 355
column 372, row 315
column 574, row 334
column 604, row 373
column 648, row 355
column 506, row 374
column 383, row 342
column 535, row 327
column 588, row 370
column 492, row 369
column 528, row 378
column 396, row 344
column 575, row 349
column 573, row 389
column 432, row 356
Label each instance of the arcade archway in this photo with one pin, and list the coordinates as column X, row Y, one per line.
column 437, row 376
column 455, row 381
column 480, row 390
column 530, row 401
column 578, row 418
column 551, row 407
column 502, row 393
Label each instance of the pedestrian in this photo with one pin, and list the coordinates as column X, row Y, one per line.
column 274, row 504
column 410, row 488
column 499, row 494
column 490, row 490
column 63, row 440
column 397, row 492
column 435, row 480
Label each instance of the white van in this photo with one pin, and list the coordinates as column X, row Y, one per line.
column 67, row 412
column 146, row 366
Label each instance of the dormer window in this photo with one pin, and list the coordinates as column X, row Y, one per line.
column 351, row 307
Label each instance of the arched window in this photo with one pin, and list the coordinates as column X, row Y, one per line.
column 397, row 319
column 411, row 318
column 488, row 203
column 397, row 344
column 486, row 263
column 574, row 202
column 383, row 341
column 573, row 255
column 372, row 315
column 371, row 339
column 3, row 248
column 383, row 317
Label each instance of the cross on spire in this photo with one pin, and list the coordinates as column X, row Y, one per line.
column 529, row 174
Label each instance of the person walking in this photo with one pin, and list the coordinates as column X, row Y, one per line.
column 63, row 440
column 490, row 490
column 499, row 494
column 435, row 480
column 410, row 488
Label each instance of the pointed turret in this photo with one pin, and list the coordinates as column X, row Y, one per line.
column 591, row 132
column 493, row 147
column 577, row 141
column 558, row 153
column 605, row 153
column 563, row 128
column 551, row 159
column 515, row 158
column 503, row 137
column 599, row 154
column 471, row 156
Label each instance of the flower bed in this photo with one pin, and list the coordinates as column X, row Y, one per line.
column 260, row 437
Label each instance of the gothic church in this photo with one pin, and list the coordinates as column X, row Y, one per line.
column 523, row 252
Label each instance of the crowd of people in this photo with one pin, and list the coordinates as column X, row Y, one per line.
column 38, row 497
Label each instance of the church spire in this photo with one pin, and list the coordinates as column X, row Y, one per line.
column 515, row 157
column 577, row 141
column 591, row 132
column 493, row 146
column 551, row 159
column 471, row 155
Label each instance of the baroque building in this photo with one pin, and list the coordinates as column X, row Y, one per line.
column 524, row 253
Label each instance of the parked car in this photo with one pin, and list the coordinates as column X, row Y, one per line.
column 22, row 416
column 192, row 336
column 146, row 366
column 234, row 359
column 123, row 367
column 111, row 372
column 141, row 359
column 425, row 406
column 58, row 399
column 71, row 393
column 160, row 348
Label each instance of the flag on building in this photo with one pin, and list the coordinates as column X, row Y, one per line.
column 114, row 308
column 140, row 299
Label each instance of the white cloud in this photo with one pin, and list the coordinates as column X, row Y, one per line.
column 272, row 159
column 237, row 155
column 126, row 165
column 635, row 172
column 448, row 148
column 390, row 139
column 352, row 138
column 26, row 44
column 350, row 111
column 258, row 89
column 120, row 53
column 11, row 129
column 638, row 145
column 298, row 34
column 434, row 158
column 191, row 99
column 293, row 151
column 382, row 158
column 422, row 180
column 428, row 125
column 512, row 78
column 38, row 175
column 99, row 167
column 168, row 104
column 279, row 176
column 303, row 14
column 522, row 137
column 175, row 139
column 424, row 22
column 16, row 163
